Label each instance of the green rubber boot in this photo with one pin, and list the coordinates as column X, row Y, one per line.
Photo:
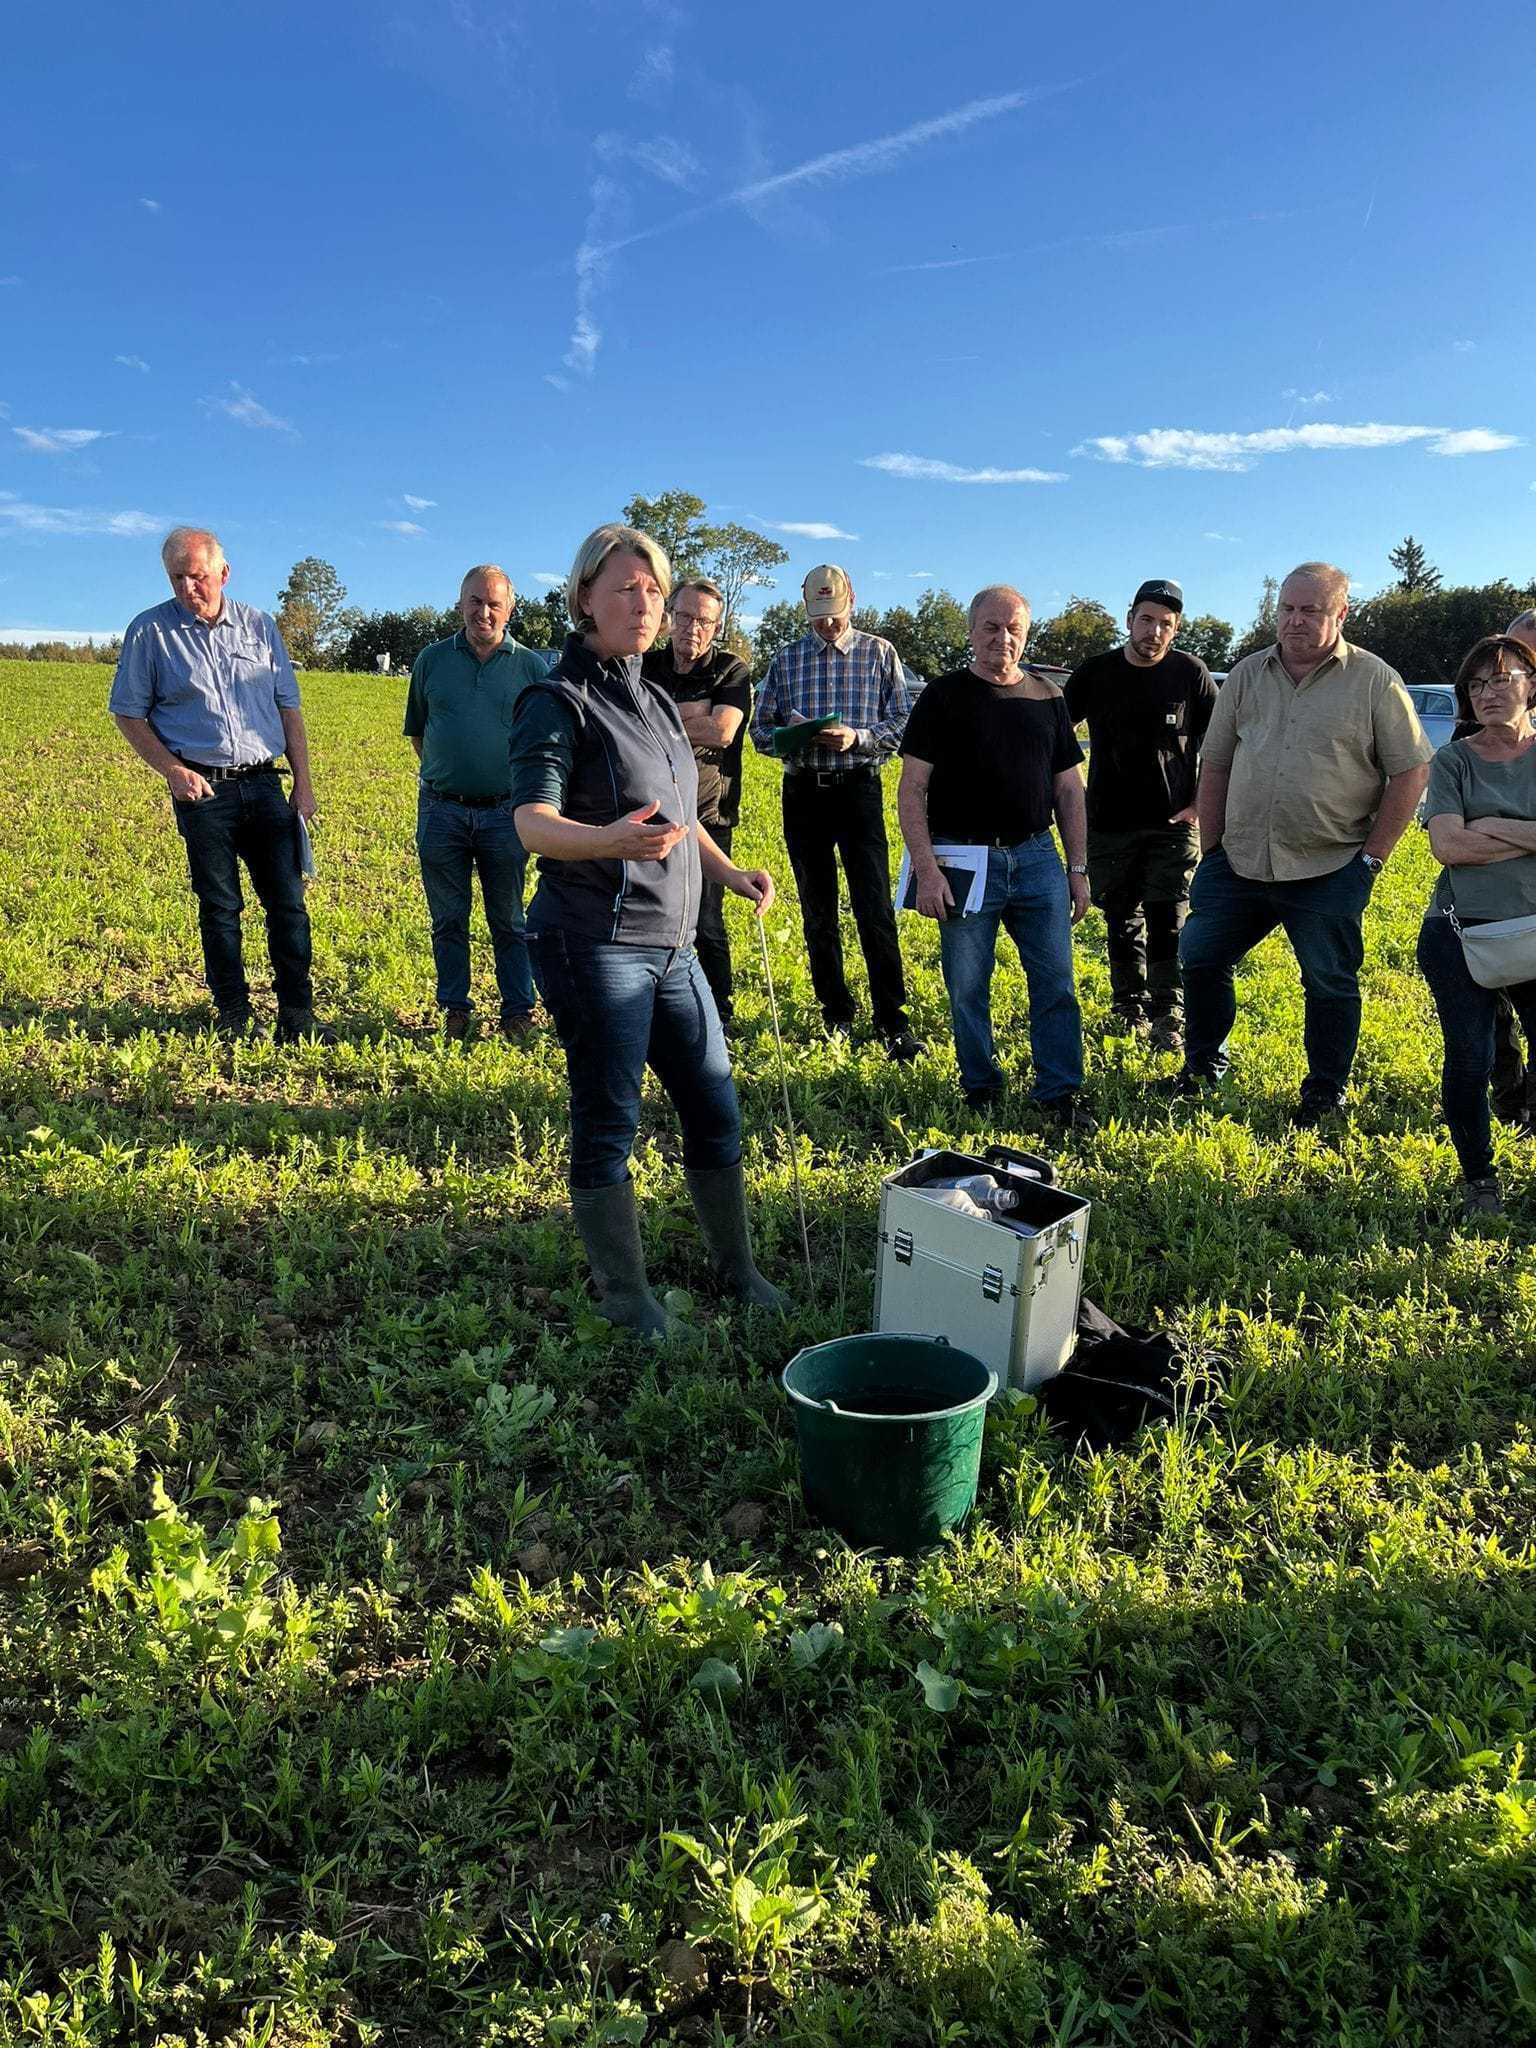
column 610, row 1229
column 720, row 1203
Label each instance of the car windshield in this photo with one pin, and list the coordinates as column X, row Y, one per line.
column 1434, row 703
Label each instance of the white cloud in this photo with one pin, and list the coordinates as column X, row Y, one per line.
column 1473, row 441
column 72, row 636
column 657, row 68
column 807, row 529
column 405, row 526
column 560, row 383
column 862, row 159
column 132, row 363
column 547, row 576
column 920, row 575
column 11, row 279
column 1188, row 448
column 311, row 359
column 18, row 516
column 59, row 440
column 419, row 504
column 926, row 469
column 1232, row 537
column 885, row 575
column 1462, row 348
column 1308, row 397
column 243, row 406
column 673, row 162
column 150, row 205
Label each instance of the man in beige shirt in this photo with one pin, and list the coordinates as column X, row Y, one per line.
column 1314, row 762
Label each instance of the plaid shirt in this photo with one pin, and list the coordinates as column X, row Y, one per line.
column 858, row 680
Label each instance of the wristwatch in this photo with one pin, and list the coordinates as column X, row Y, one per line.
column 1373, row 863
column 1077, row 867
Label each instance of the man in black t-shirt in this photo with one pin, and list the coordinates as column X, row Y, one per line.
column 1147, row 707
column 988, row 761
column 713, row 692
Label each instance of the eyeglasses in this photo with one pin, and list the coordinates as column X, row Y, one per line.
column 1494, row 682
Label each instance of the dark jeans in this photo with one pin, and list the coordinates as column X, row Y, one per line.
column 1467, row 1011
column 1228, row 916
column 1026, row 893
column 619, row 1009
column 1140, row 880
column 710, row 942
column 821, row 822
column 455, row 842
column 248, row 819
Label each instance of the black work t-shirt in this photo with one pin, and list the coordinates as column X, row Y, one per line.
column 1145, row 726
column 995, row 754
column 720, row 680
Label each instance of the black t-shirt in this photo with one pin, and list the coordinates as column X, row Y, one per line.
column 995, row 754
column 1145, row 726
column 721, row 679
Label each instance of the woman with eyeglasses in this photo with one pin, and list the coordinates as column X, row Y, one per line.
column 1480, row 809
column 605, row 792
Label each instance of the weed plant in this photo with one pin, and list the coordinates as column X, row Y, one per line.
column 388, row 1654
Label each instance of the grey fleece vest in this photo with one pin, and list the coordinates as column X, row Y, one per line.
column 630, row 748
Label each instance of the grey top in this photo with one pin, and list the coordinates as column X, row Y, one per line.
column 1463, row 785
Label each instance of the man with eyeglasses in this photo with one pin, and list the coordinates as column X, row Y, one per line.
column 1146, row 706
column 712, row 688
column 1314, row 763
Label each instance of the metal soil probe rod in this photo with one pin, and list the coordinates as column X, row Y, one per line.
column 789, row 1115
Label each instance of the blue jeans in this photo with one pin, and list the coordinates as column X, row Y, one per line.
column 1228, row 916
column 248, row 820
column 454, row 843
column 1467, row 1012
column 619, row 1009
column 1026, row 894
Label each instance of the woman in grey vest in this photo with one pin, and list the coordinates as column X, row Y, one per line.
column 605, row 792
column 1481, row 812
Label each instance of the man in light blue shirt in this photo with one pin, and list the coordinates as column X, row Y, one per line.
column 205, row 694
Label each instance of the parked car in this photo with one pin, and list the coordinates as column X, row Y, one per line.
column 1436, row 705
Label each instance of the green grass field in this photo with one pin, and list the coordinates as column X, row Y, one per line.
column 388, row 1655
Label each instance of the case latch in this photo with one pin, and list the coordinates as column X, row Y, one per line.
column 901, row 1245
column 991, row 1283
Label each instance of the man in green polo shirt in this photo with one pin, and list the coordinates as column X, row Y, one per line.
column 458, row 717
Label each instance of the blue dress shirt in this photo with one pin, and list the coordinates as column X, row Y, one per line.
column 212, row 693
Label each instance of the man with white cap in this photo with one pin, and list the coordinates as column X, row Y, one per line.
column 833, row 802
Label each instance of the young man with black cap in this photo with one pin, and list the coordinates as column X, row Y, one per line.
column 1146, row 706
column 833, row 803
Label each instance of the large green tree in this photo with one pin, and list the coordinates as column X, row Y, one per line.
column 1209, row 639
column 1264, row 630
column 1082, row 627
column 675, row 521
column 1425, row 633
column 737, row 557
column 779, row 625
column 310, row 609
column 401, row 635
column 1416, row 573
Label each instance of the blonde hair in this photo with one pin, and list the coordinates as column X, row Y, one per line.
column 1333, row 580
column 602, row 542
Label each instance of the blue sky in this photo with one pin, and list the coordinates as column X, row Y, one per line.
column 1062, row 296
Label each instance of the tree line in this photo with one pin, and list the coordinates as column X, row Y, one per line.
column 1414, row 622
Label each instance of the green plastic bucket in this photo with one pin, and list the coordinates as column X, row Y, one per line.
column 889, row 1428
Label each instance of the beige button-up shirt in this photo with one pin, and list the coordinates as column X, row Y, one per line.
column 1308, row 761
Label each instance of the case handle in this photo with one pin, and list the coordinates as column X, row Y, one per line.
column 1030, row 1163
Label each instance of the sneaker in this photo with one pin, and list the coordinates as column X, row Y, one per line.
column 518, row 1024
column 983, row 1099
column 1314, row 1106
column 1167, row 1034
column 1066, row 1113
column 837, row 1027
column 1481, row 1197
column 904, row 1046
column 234, row 1022
column 459, row 1024
column 296, row 1027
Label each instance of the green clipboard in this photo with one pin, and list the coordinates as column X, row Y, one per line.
column 790, row 740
